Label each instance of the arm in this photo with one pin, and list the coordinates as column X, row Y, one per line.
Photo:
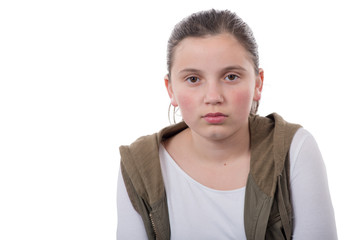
column 313, row 211
column 130, row 224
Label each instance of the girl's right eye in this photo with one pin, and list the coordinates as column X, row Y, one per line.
column 193, row 79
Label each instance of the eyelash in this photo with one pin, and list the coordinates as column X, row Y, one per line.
column 234, row 75
column 198, row 79
column 189, row 81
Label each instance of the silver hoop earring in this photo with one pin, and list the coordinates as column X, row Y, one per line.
column 175, row 109
column 254, row 107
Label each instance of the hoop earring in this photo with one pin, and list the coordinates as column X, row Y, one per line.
column 254, row 107
column 173, row 114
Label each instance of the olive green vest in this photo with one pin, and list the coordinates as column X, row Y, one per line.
column 267, row 210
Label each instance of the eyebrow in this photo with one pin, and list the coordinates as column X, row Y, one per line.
column 235, row 67
column 187, row 70
column 229, row 68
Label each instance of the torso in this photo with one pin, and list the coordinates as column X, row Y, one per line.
column 197, row 211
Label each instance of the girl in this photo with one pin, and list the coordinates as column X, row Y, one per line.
column 224, row 172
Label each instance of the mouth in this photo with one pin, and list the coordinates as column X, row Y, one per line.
column 218, row 114
column 215, row 118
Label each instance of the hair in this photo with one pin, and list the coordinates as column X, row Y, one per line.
column 213, row 22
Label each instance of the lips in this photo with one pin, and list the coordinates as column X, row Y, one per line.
column 215, row 118
column 218, row 114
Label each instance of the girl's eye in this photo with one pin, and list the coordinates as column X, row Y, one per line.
column 231, row 77
column 193, row 79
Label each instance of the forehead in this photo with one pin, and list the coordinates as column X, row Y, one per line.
column 210, row 52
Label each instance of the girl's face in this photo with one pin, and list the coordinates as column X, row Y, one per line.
column 213, row 81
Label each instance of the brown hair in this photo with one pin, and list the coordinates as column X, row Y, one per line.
column 213, row 22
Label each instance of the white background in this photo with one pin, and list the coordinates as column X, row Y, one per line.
column 79, row 78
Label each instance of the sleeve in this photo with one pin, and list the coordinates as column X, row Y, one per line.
column 313, row 210
column 130, row 225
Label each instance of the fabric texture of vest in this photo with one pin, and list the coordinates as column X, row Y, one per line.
column 267, row 210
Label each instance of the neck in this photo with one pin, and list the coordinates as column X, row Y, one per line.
column 232, row 148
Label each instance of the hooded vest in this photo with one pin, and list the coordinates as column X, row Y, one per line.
column 267, row 210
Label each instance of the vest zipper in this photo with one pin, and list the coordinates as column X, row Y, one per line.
column 153, row 224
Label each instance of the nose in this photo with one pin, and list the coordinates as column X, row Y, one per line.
column 213, row 94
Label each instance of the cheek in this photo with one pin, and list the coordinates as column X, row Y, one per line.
column 185, row 102
column 242, row 102
column 242, row 98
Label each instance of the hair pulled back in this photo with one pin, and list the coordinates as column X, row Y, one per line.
column 213, row 22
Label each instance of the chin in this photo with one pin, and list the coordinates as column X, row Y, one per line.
column 216, row 135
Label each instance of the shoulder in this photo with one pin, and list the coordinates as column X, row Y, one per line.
column 271, row 134
column 272, row 124
column 149, row 142
column 303, row 141
column 143, row 144
column 304, row 152
column 301, row 136
column 147, row 147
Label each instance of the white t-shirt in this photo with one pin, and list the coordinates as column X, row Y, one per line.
column 199, row 212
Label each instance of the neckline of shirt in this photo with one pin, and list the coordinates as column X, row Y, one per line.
column 166, row 157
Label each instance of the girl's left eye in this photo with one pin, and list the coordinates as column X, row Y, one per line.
column 231, row 77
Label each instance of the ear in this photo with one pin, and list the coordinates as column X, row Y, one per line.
column 259, row 81
column 170, row 90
